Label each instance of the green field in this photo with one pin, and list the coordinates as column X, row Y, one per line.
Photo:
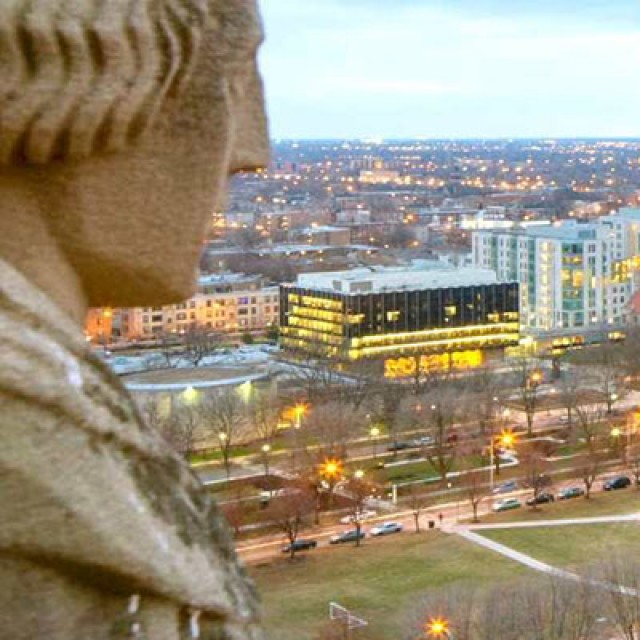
column 571, row 547
column 382, row 581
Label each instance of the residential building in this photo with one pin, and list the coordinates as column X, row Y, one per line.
column 225, row 303
column 573, row 276
column 406, row 317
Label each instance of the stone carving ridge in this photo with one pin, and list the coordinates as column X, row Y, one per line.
column 81, row 78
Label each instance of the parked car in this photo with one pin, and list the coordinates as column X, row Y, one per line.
column 300, row 545
column 506, row 487
column 506, row 504
column 386, row 528
column 423, row 441
column 399, row 446
column 570, row 492
column 265, row 496
column 347, row 536
column 619, row 482
column 541, row 498
column 361, row 516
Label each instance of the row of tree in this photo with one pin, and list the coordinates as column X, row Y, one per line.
column 544, row 608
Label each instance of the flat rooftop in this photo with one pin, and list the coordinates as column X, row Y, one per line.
column 387, row 279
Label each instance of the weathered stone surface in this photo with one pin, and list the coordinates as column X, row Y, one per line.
column 120, row 122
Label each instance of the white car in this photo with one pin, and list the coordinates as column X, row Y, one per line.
column 385, row 528
column 361, row 515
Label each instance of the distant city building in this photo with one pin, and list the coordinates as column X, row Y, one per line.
column 324, row 235
column 433, row 317
column 572, row 275
column 378, row 176
column 225, row 303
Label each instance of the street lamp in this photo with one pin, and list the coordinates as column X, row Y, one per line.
column 358, row 474
column 331, row 468
column 438, row 628
column 505, row 439
column 298, row 411
column 266, row 448
column 374, row 432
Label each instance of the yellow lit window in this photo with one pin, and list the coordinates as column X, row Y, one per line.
column 450, row 310
column 392, row 316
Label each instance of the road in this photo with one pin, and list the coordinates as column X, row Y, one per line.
column 365, row 449
column 265, row 547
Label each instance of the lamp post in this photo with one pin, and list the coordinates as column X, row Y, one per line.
column 266, row 448
column 374, row 432
column 505, row 439
column 331, row 470
column 298, row 412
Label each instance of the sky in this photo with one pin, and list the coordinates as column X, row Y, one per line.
column 452, row 68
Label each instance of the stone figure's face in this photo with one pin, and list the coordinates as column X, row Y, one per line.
column 132, row 223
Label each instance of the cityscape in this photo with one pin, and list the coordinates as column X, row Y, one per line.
column 319, row 320
column 432, row 338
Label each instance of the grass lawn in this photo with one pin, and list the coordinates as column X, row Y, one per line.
column 382, row 581
column 571, row 546
column 600, row 504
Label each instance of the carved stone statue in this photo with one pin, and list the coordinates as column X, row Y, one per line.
column 120, row 122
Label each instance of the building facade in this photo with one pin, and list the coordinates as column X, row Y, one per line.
column 225, row 303
column 408, row 318
column 573, row 276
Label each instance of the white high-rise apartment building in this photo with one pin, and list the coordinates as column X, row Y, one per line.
column 572, row 275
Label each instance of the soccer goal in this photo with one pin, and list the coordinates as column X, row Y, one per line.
column 342, row 615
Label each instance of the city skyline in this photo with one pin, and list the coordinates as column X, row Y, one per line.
column 468, row 70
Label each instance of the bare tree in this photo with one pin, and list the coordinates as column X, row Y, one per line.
column 180, row 428
column 474, row 485
column 290, row 513
column 418, row 502
column 607, row 368
column 169, row 347
column 625, row 603
column 441, row 413
column 589, row 418
column 323, row 443
column 264, row 410
column 315, row 373
column 527, row 378
column 633, row 462
column 199, row 343
column 589, row 470
column 177, row 425
column 487, row 391
column 359, row 491
column 224, row 417
column 569, row 389
column 534, row 466
column 240, row 509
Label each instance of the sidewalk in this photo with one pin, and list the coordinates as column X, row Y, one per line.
column 468, row 533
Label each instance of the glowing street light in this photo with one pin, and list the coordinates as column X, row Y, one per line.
column 438, row 628
column 331, row 468
column 535, row 378
column 358, row 474
column 506, row 439
column 189, row 395
column 298, row 411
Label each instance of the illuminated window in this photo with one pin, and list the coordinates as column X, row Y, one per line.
column 450, row 310
column 392, row 316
